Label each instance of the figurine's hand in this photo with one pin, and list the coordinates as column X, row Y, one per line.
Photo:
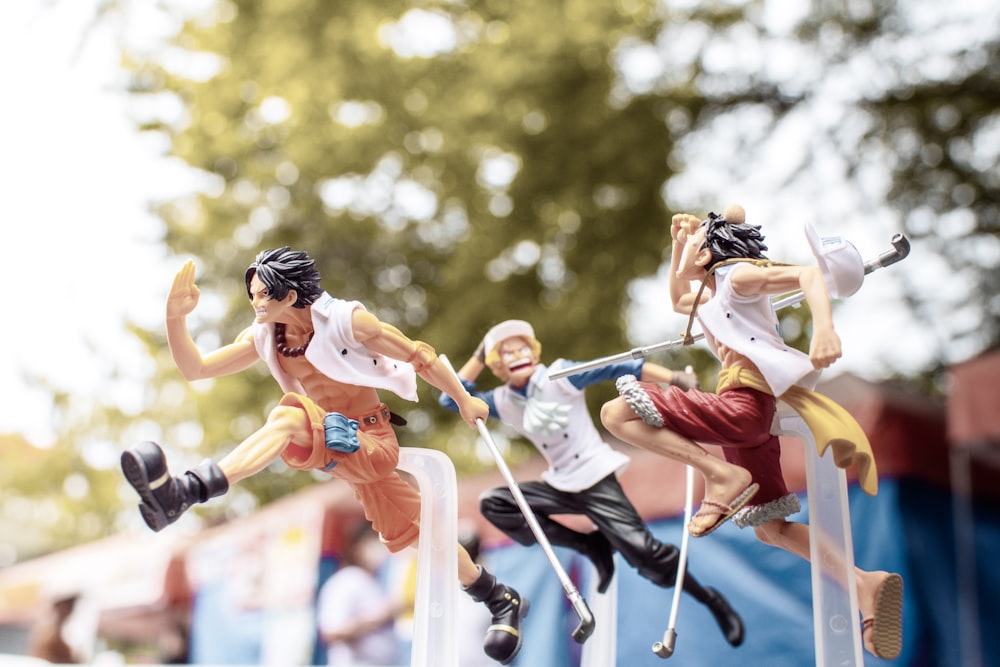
column 472, row 409
column 683, row 224
column 183, row 296
column 684, row 380
column 824, row 349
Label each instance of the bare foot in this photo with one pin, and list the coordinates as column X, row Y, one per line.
column 725, row 497
column 880, row 599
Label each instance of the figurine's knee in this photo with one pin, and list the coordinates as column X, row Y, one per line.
column 772, row 533
column 286, row 419
column 614, row 413
column 495, row 504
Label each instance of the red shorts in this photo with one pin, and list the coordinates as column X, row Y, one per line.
column 738, row 420
column 389, row 502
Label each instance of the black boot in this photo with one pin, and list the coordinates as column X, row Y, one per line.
column 729, row 621
column 165, row 498
column 503, row 638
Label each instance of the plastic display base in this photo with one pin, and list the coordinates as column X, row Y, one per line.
column 437, row 557
column 836, row 619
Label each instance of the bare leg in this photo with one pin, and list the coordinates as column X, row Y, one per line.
column 258, row 451
column 468, row 571
column 723, row 481
column 794, row 538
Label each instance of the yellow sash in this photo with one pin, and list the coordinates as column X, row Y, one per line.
column 831, row 425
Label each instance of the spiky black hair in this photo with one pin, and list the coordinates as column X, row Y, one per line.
column 283, row 269
column 728, row 240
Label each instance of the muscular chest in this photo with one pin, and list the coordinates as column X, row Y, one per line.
column 329, row 393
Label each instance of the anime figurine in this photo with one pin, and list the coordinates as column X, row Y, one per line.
column 582, row 474
column 330, row 356
column 725, row 254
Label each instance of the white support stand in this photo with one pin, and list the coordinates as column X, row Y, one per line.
column 836, row 620
column 437, row 557
column 601, row 650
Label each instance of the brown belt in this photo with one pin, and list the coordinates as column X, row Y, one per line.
column 380, row 415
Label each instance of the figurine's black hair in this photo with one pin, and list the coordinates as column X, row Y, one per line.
column 282, row 269
column 727, row 240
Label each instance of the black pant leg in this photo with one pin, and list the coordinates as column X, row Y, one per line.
column 500, row 508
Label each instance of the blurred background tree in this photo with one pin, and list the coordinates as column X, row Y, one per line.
column 451, row 164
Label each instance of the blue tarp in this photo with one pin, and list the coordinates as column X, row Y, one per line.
column 907, row 528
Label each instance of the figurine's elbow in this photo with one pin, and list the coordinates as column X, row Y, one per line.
column 809, row 277
column 192, row 374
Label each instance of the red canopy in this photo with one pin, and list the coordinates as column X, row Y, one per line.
column 974, row 402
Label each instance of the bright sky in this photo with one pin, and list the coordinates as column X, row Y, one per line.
column 80, row 249
column 82, row 255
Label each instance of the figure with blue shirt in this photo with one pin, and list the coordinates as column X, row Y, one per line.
column 582, row 475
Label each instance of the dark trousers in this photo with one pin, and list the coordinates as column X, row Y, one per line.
column 607, row 506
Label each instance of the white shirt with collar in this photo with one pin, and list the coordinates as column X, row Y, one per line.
column 577, row 456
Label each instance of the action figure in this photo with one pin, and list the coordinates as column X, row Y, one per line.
column 725, row 255
column 582, row 474
column 330, row 356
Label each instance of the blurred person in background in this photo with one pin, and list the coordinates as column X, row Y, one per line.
column 355, row 613
column 46, row 640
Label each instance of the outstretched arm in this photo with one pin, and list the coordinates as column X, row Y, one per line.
column 390, row 341
column 824, row 348
column 655, row 373
column 181, row 301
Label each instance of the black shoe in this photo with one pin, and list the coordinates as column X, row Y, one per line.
column 729, row 621
column 165, row 498
column 503, row 637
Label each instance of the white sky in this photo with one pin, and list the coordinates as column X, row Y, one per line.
column 81, row 253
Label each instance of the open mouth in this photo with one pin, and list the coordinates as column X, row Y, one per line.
column 519, row 366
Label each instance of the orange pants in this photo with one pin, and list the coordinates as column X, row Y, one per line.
column 389, row 502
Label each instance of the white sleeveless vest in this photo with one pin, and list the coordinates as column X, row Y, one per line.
column 748, row 325
column 335, row 353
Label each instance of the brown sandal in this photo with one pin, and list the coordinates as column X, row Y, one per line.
column 886, row 625
column 724, row 511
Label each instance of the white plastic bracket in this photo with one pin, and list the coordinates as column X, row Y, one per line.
column 836, row 622
column 437, row 557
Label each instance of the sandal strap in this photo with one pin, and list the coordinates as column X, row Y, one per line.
column 719, row 506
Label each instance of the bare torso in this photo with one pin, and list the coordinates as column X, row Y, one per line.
column 329, row 394
column 729, row 357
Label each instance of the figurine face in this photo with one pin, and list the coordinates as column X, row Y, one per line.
column 694, row 257
column 517, row 360
column 266, row 308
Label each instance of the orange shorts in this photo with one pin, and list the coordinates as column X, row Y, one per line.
column 389, row 502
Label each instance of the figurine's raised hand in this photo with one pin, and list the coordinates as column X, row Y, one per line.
column 683, row 224
column 183, row 296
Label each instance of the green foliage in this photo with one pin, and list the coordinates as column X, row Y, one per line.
column 557, row 245
column 315, row 130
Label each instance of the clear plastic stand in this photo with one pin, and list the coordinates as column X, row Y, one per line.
column 437, row 557
column 602, row 647
column 835, row 599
